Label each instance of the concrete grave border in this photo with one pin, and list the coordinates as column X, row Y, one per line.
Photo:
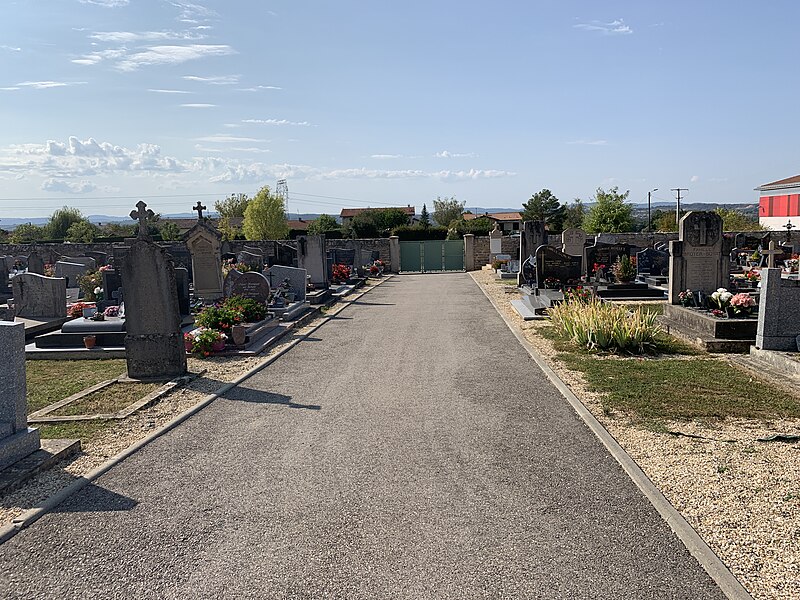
column 696, row 546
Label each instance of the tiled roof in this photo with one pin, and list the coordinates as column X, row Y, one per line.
column 501, row 217
column 297, row 225
column 352, row 212
column 788, row 182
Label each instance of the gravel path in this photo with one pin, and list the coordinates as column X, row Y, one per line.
column 740, row 495
column 410, row 448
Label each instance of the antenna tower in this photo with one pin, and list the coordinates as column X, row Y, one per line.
column 282, row 191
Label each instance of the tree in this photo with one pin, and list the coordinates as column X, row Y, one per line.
column 574, row 214
column 26, row 233
column 479, row 226
column 322, row 224
column 119, row 230
column 81, row 232
column 60, row 221
column 734, row 220
column 544, row 206
column 424, row 218
column 230, row 208
column 446, row 210
column 664, row 220
column 265, row 217
column 170, row 231
column 610, row 213
column 372, row 223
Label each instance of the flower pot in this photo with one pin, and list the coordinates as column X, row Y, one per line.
column 218, row 346
column 239, row 334
column 188, row 345
column 89, row 341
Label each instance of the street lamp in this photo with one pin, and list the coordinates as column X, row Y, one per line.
column 648, row 207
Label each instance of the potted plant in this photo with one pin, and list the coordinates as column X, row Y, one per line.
column 721, row 298
column 89, row 341
column 624, row 269
column 552, row 283
column 205, row 341
column 740, row 305
column 686, row 298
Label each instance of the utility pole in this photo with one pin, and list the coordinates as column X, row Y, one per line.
column 282, row 190
column 678, row 211
column 648, row 208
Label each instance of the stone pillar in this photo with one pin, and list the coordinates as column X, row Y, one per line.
column 394, row 253
column 495, row 243
column 16, row 440
column 778, row 319
column 469, row 251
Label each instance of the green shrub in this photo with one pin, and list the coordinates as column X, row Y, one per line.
column 220, row 318
column 597, row 325
column 251, row 310
column 479, row 226
column 414, row 234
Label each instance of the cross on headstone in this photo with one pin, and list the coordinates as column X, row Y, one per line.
column 199, row 208
column 142, row 215
column 771, row 255
column 788, row 227
column 702, row 228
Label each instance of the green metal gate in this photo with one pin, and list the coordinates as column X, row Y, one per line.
column 432, row 256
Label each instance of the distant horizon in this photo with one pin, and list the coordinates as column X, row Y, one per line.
column 110, row 101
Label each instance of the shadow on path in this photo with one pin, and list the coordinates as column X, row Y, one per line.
column 94, row 498
column 245, row 394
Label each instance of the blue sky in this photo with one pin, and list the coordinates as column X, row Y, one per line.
column 359, row 103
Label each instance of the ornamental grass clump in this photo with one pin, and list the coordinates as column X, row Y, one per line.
column 597, row 325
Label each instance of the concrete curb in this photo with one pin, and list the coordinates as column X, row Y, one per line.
column 696, row 546
column 32, row 515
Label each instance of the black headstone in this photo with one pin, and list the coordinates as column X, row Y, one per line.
column 554, row 264
column 602, row 253
column 651, row 262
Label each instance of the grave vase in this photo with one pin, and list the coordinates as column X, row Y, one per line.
column 218, row 346
column 89, row 341
column 239, row 334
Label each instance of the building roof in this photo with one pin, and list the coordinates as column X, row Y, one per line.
column 296, row 225
column 503, row 217
column 352, row 212
column 781, row 183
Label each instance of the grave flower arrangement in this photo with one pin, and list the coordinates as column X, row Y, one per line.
column 598, row 267
column 230, row 264
column 341, row 273
column 721, row 298
column 717, row 313
column 204, row 341
column 753, row 276
column 91, row 285
column 742, row 303
column 251, row 311
column 111, row 311
column 220, row 318
column 686, row 298
column 76, row 310
column 624, row 269
column 49, row 270
column 793, row 263
column 552, row 283
column 578, row 294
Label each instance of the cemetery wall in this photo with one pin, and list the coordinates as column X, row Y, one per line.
column 509, row 245
column 367, row 245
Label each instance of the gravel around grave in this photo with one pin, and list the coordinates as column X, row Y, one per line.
column 216, row 371
column 742, row 496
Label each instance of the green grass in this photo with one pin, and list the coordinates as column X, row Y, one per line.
column 665, row 343
column 83, row 430
column 49, row 381
column 108, row 400
column 702, row 388
column 648, row 307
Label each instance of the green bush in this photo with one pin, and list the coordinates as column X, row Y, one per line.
column 220, row 318
column 597, row 325
column 413, row 234
column 479, row 226
column 251, row 310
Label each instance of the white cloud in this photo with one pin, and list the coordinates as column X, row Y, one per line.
column 171, row 55
column 589, row 143
column 198, row 105
column 276, row 122
column 258, row 88
column 193, row 13
column 44, row 85
column 446, row 154
column 694, row 178
column 10, row 48
column 386, row 156
column 68, row 187
column 107, row 3
column 615, row 27
column 127, row 37
column 157, row 91
column 226, row 139
column 8, row 89
column 219, row 80
column 229, row 149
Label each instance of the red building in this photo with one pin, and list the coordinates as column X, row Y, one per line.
column 779, row 203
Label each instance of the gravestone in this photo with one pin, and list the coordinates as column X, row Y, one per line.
column 254, row 250
column 572, row 241
column 35, row 263
column 297, row 279
column 533, row 235
column 778, row 317
column 39, row 297
column 3, row 276
column 602, row 253
column 112, row 281
column 86, row 261
column 251, row 285
column 100, row 258
column 17, row 440
column 20, row 262
column 205, row 246
column 254, row 261
column 71, row 272
column 752, row 241
column 552, row 263
column 311, row 257
column 495, row 242
column 651, row 262
column 154, row 347
column 182, row 283
column 698, row 259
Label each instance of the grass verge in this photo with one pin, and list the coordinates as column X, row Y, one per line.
column 49, row 381
column 108, row 400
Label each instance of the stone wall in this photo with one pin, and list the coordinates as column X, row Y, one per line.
column 367, row 245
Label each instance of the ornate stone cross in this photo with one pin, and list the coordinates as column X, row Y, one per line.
column 788, row 227
column 199, row 208
column 771, row 255
column 142, row 215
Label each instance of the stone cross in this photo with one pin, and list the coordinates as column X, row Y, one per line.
column 788, row 227
column 703, row 230
column 771, row 255
column 199, row 208
column 142, row 215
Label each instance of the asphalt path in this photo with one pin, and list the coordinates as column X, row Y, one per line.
column 409, row 449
